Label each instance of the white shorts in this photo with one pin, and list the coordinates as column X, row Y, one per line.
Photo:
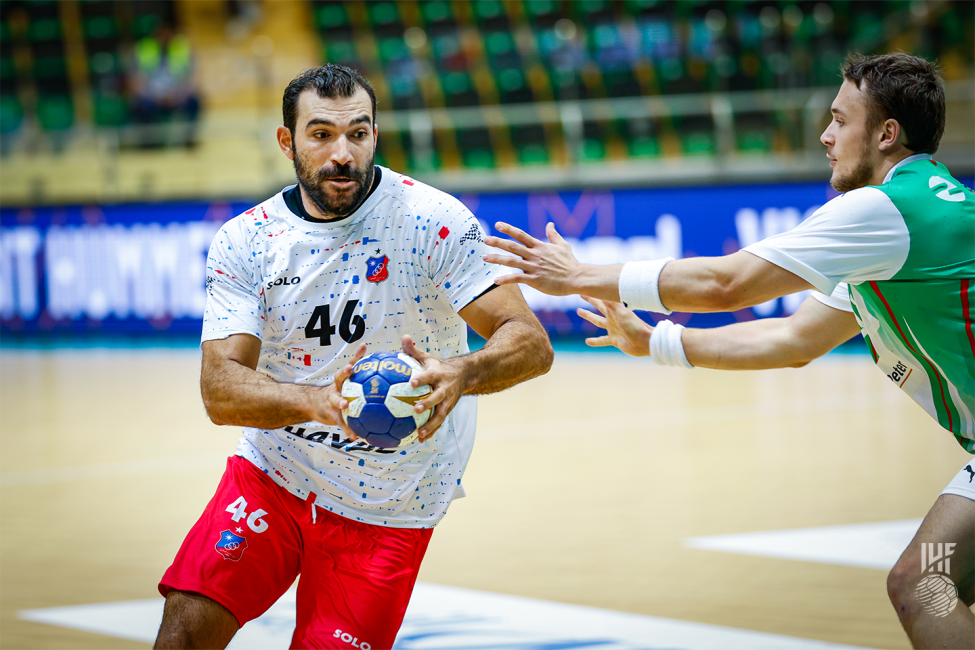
column 963, row 484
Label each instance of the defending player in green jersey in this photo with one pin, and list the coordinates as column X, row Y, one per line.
column 893, row 257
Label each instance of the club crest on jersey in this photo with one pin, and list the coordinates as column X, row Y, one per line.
column 230, row 546
column 377, row 269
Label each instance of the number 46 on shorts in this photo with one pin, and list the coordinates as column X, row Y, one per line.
column 239, row 510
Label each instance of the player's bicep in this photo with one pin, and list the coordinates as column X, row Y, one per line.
column 494, row 308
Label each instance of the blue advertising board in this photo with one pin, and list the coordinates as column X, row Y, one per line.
column 140, row 268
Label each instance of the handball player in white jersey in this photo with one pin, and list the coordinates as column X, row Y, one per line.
column 892, row 257
column 354, row 258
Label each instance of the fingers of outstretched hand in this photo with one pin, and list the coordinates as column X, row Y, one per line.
column 516, row 233
column 553, row 234
column 598, row 342
column 505, row 260
column 508, row 245
column 592, row 317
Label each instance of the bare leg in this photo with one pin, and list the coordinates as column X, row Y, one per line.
column 191, row 620
column 950, row 520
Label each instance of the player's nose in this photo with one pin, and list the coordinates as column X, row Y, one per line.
column 827, row 137
column 341, row 154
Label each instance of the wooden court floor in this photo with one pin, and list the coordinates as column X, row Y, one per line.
column 582, row 488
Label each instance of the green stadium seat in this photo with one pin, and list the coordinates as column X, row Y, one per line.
column 11, row 114
column 591, row 11
column 643, row 147
column 758, row 142
column 341, row 51
column 99, row 27
column 45, row 29
column 110, row 110
column 638, row 8
column 529, row 141
column 476, row 149
column 55, row 112
column 478, row 158
column 542, row 13
column 532, row 154
column 490, row 14
column 458, row 90
column 103, row 63
column 145, row 25
column 8, row 68
column 513, row 86
column 698, row 144
column 593, row 150
column 437, row 12
column 392, row 49
column 331, row 16
column 48, row 67
column 385, row 17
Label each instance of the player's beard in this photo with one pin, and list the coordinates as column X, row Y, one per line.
column 335, row 205
column 858, row 177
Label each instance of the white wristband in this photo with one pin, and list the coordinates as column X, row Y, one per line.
column 638, row 285
column 666, row 347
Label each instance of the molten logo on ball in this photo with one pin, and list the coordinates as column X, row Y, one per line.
column 381, row 399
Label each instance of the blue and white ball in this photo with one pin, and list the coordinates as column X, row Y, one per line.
column 381, row 399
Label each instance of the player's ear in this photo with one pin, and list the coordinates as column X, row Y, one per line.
column 285, row 142
column 890, row 134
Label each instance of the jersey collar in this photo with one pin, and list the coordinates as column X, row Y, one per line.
column 906, row 161
column 361, row 211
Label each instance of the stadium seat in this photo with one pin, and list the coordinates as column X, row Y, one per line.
column 475, row 148
column 530, row 144
column 385, row 18
column 11, row 114
column 437, row 14
column 490, row 15
column 55, row 112
column 110, row 110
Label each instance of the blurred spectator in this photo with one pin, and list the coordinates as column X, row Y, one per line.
column 242, row 15
column 163, row 89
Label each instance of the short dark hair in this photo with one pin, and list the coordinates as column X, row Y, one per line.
column 329, row 81
column 905, row 88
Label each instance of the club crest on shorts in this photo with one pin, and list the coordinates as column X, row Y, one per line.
column 231, row 546
column 377, row 269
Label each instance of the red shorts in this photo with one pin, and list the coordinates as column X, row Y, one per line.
column 253, row 540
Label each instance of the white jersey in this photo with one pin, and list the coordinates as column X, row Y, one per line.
column 405, row 262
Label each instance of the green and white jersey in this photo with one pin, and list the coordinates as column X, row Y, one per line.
column 907, row 250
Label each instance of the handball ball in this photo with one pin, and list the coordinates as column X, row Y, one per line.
column 381, row 399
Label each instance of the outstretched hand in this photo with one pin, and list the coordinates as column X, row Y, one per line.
column 445, row 378
column 331, row 413
column 549, row 266
column 624, row 329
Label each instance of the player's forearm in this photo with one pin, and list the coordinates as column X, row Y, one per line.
column 518, row 351
column 236, row 395
column 602, row 282
column 755, row 345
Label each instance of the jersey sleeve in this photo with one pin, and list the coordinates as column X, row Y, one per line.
column 235, row 299
column 839, row 299
column 854, row 238
column 456, row 265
